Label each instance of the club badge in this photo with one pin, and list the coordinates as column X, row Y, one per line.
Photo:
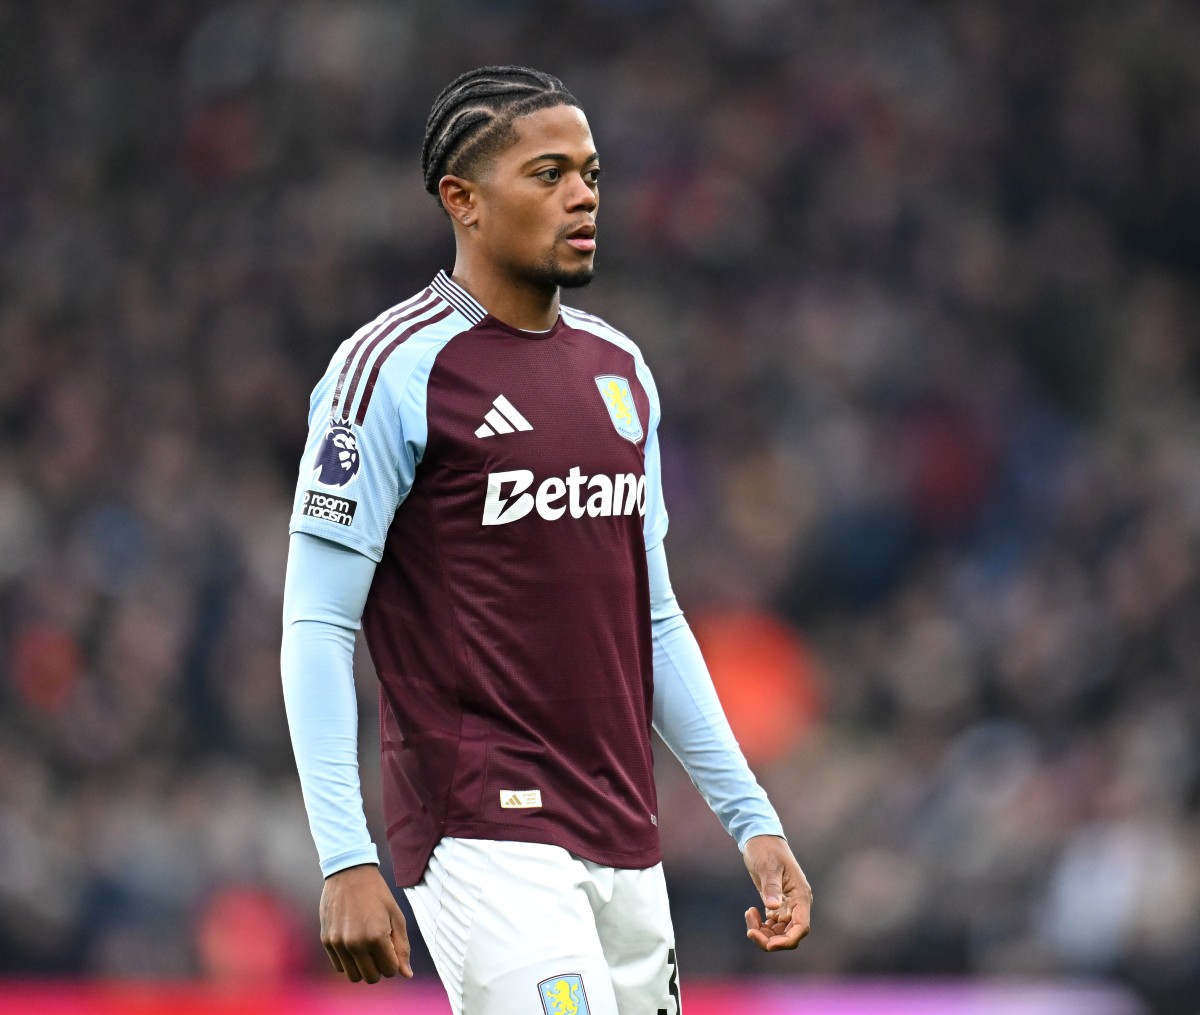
column 618, row 399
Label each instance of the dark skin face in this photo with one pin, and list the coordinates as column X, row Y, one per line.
column 526, row 225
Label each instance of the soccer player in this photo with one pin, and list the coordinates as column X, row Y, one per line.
column 481, row 489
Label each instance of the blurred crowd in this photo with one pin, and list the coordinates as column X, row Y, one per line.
column 919, row 283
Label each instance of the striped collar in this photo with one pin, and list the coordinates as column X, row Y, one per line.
column 458, row 297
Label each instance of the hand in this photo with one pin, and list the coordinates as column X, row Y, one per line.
column 787, row 897
column 362, row 928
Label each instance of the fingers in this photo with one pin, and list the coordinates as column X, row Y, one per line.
column 799, row 905
column 765, row 934
column 381, row 956
column 369, row 957
column 357, row 960
column 757, row 931
column 333, row 957
column 772, row 888
column 400, row 945
column 384, row 956
column 773, row 935
column 390, row 952
column 367, row 969
column 777, row 910
column 343, row 960
column 753, row 924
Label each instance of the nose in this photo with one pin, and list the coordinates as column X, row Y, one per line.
column 580, row 195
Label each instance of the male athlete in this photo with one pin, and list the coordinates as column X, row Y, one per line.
column 481, row 489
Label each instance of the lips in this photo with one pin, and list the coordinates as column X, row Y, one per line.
column 583, row 237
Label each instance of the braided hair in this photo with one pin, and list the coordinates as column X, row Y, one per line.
column 471, row 120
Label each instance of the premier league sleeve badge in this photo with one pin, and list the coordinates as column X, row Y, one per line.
column 338, row 457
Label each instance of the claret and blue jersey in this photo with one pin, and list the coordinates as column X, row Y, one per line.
column 508, row 485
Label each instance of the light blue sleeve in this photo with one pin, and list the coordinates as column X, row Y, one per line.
column 654, row 526
column 689, row 718
column 355, row 475
column 324, row 594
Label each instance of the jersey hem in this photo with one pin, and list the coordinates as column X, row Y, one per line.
column 408, row 875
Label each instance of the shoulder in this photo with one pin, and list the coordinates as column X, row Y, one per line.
column 386, row 351
column 401, row 333
column 583, row 321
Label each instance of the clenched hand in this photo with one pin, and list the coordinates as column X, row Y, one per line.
column 362, row 928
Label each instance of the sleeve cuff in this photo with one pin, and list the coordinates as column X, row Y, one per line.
column 764, row 828
column 336, row 534
column 351, row 858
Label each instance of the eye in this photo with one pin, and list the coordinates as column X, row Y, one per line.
column 550, row 175
column 592, row 175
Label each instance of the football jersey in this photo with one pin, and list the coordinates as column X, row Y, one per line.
column 508, row 485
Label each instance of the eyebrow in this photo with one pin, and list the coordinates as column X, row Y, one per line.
column 559, row 157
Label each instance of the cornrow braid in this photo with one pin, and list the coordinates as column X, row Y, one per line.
column 471, row 119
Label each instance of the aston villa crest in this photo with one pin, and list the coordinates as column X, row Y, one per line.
column 564, row 995
column 618, row 398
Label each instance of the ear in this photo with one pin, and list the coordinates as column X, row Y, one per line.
column 460, row 199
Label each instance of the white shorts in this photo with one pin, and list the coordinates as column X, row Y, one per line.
column 519, row 928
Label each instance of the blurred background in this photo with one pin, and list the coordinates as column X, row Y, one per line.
column 919, row 283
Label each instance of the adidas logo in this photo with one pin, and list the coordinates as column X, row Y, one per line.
column 520, row 799
column 503, row 418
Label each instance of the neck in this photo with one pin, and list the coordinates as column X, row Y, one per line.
column 516, row 302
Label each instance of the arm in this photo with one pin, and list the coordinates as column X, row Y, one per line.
column 355, row 472
column 689, row 718
column 324, row 593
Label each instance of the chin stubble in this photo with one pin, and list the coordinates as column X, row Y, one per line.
column 550, row 272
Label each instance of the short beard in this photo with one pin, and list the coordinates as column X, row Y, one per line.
column 549, row 273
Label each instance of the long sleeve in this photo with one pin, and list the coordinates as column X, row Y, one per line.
column 689, row 718
column 324, row 594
